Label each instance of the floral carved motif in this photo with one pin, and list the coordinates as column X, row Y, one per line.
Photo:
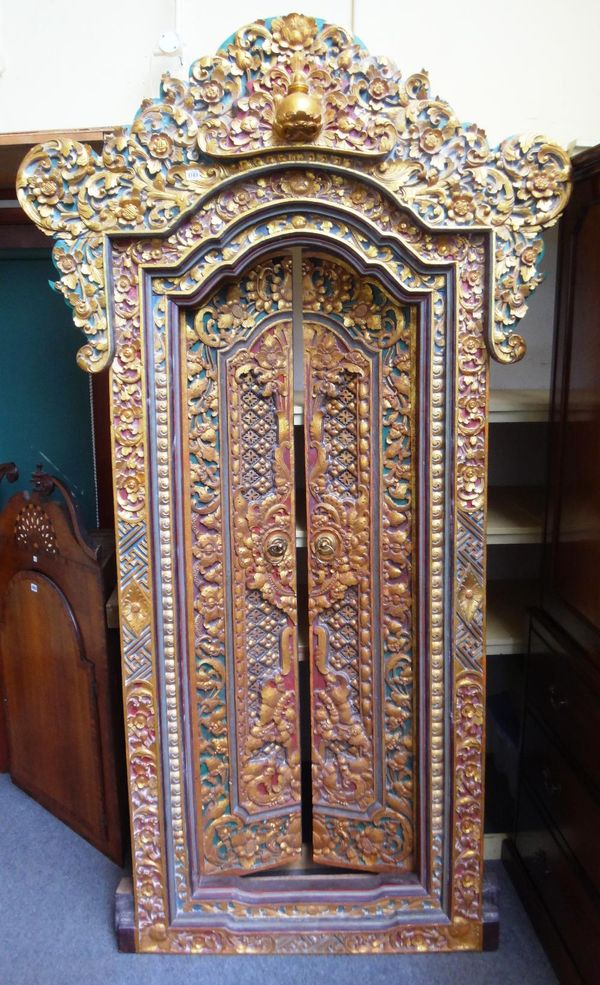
column 470, row 596
column 254, row 410
column 469, row 792
column 199, row 133
column 343, row 612
column 294, row 130
column 272, row 294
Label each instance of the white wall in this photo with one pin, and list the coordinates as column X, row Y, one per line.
column 509, row 66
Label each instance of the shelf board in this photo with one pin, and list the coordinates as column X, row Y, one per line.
column 507, row 618
column 515, row 515
column 518, row 406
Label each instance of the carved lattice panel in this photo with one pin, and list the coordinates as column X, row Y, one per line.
column 242, row 518
column 360, row 366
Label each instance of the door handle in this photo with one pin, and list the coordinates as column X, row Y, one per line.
column 276, row 548
column 320, row 649
column 326, row 547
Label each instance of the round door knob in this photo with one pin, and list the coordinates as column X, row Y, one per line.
column 326, row 547
column 276, row 549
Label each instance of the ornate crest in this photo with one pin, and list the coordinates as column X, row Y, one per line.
column 298, row 90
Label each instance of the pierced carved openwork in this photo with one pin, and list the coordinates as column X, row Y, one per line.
column 34, row 530
column 297, row 201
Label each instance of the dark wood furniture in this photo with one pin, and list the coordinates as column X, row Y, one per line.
column 60, row 671
column 554, row 856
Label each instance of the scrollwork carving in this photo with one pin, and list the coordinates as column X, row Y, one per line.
column 389, row 173
column 199, row 133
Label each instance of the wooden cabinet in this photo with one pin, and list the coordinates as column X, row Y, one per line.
column 302, row 608
column 10, row 472
column 554, row 854
column 60, row 674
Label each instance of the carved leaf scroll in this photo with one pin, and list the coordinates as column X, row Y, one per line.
column 184, row 144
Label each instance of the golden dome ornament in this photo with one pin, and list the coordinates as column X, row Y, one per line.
column 299, row 114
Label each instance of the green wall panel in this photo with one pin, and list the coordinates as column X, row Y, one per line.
column 45, row 413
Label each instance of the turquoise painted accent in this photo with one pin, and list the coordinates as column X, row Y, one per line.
column 45, row 411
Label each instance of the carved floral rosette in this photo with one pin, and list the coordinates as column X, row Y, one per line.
column 218, row 167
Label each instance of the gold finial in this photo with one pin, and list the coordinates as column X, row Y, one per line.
column 299, row 115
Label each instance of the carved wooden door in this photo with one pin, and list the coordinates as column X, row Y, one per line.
column 359, row 357
column 238, row 403
column 358, row 349
column 296, row 188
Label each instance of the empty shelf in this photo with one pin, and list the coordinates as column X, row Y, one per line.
column 515, row 515
column 507, row 615
column 518, row 406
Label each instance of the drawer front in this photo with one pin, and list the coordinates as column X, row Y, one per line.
column 566, row 702
column 572, row 806
column 570, row 904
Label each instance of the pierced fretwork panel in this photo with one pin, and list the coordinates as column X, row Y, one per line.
column 360, row 365
column 245, row 717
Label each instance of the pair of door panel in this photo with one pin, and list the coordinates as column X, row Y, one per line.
column 358, row 348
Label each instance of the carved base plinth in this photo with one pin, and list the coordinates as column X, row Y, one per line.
column 409, row 939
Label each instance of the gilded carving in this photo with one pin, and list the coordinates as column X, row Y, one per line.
column 283, row 298
column 254, row 406
column 134, row 607
column 470, row 596
column 469, row 794
column 143, row 785
column 340, row 379
column 294, row 130
column 298, row 114
column 198, row 133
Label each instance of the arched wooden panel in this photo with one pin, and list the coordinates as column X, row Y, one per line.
column 241, row 571
column 360, row 359
column 50, row 691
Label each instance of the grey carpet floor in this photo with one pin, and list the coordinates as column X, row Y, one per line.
column 56, row 900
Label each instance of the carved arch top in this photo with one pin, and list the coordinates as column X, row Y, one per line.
column 293, row 90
